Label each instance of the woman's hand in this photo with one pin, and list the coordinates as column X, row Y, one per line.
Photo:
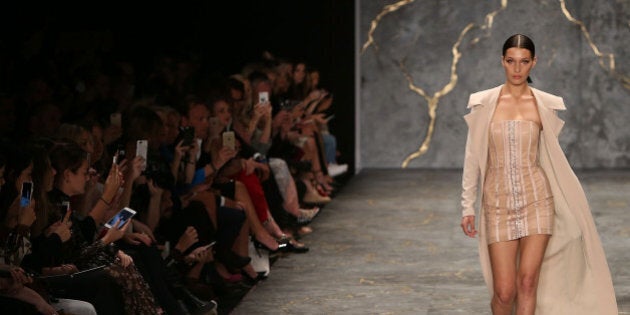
column 112, row 183
column 135, row 169
column 201, row 254
column 20, row 277
column 225, row 154
column 154, row 190
column 180, row 150
column 249, row 166
column 63, row 227
column 188, row 238
column 65, row 269
column 142, row 228
column 137, row 239
column 27, row 215
column 115, row 232
column 468, row 225
column 125, row 260
column 193, row 150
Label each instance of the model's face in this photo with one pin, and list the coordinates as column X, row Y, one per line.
column 517, row 63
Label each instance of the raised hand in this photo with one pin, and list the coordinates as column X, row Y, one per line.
column 63, row 227
column 188, row 238
column 115, row 232
column 27, row 215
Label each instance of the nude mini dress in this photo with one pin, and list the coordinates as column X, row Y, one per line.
column 517, row 197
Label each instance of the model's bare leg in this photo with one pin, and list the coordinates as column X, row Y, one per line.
column 503, row 261
column 532, row 250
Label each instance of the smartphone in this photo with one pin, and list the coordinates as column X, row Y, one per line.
column 263, row 97
column 229, row 140
column 142, row 147
column 115, row 119
column 26, row 194
column 199, row 143
column 187, row 134
column 120, row 155
column 123, row 215
column 65, row 207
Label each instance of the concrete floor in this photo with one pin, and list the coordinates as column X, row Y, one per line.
column 390, row 243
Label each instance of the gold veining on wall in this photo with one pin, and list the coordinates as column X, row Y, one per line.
column 434, row 100
column 386, row 10
column 490, row 19
column 606, row 60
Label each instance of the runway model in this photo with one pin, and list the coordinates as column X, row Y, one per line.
column 539, row 248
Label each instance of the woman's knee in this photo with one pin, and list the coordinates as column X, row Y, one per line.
column 505, row 294
column 527, row 283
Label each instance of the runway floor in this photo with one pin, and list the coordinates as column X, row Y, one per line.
column 390, row 243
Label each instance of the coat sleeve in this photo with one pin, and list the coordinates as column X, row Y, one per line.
column 470, row 176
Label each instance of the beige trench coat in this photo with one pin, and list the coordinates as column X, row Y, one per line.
column 574, row 278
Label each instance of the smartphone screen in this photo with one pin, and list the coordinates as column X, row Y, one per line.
column 123, row 215
column 263, row 97
column 26, row 194
column 142, row 146
column 65, row 207
column 229, row 140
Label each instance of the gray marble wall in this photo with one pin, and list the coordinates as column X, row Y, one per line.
column 418, row 37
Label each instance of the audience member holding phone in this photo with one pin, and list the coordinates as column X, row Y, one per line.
column 14, row 281
column 79, row 250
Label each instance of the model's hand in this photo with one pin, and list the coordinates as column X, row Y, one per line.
column 468, row 225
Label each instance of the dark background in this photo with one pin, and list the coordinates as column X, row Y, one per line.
column 224, row 35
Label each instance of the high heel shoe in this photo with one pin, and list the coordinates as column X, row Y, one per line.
column 307, row 215
column 298, row 249
column 251, row 281
column 313, row 197
column 260, row 245
column 292, row 246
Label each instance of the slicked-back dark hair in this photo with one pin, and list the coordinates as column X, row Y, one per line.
column 520, row 41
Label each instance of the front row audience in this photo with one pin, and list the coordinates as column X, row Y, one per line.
column 249, row 162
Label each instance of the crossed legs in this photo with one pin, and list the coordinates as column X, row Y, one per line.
column 515, row 271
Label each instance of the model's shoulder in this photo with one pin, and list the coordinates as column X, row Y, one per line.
column 482, row 97
column 549, row 100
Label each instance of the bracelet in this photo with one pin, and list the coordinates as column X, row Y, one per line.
column 105, row 201
column 189, row 162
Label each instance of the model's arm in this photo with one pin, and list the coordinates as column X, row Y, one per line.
column 470, row 179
